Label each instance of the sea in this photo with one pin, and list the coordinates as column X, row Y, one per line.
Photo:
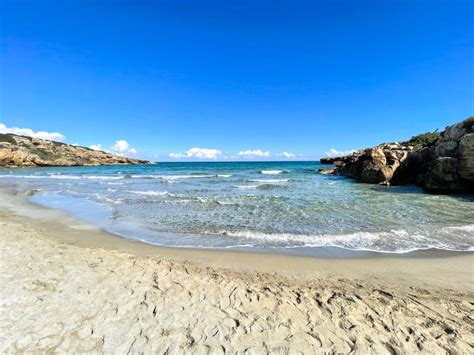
column 281, row 207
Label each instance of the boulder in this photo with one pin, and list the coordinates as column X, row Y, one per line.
column 327, row 171
column 372, row 166
column 466, row 158
column 447, row 148
column 443, row 175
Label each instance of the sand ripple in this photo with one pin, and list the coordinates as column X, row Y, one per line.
column 60, row 297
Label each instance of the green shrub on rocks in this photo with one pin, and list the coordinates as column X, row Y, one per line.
column 424, row 140
column 7, row 138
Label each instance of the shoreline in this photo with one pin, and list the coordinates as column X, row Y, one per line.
column 326, row 252
column 70, row 286
column 87, row 235
column 319, row 252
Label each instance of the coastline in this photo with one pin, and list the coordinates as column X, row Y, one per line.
column 68, row 229
column 224, row 206
column 72, row 286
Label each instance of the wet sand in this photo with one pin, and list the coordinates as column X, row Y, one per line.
column 68, row 286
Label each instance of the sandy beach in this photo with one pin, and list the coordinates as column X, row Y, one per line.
column 229, row 177
column 68, row 286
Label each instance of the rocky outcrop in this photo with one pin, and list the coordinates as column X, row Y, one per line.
column 372, row 165
column 22, row 151
column 452, row 165
column 444, row 165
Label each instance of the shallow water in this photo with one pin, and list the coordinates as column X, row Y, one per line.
column 279, row 206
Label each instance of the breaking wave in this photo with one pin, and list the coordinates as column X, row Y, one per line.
column 272, row 172
column 150, row 193
column 64, row 177
column 270, row 181
column 394, row 241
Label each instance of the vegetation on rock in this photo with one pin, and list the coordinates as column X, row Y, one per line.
column 7, row 138
column 423, row 140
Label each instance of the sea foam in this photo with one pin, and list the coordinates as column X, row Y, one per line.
column 272, row 172
column 149, row 193
column 270, row 181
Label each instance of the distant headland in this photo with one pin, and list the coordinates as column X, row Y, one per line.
column 23, row 151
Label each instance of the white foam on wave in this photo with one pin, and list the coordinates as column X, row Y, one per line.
column 270, row 181
column 271, row 172
column 261, row 186
column 64, row 177
column 101, row 177
column 178, row 177
column 225, row 203
column 393, row 241
column 212, row 200
column 247, row 187
column 467, row 228
column 110, row 200
column 172, row 177
column 305, row 239
column 109, row 177
column 149, row 193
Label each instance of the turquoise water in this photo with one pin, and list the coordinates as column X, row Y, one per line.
column 282, row 206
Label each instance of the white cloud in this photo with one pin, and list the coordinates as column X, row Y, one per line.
column 197, row 153
column 337, row 153
column 258, row 153
column 286, row 155
column 52, row 136
column 177, row 155
column 121, row 147
column 96, row 146
column 202, row 153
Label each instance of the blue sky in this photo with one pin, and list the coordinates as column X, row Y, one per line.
column 253, row 77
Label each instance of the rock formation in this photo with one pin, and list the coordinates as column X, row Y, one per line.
column 22, row 151
column 444, row 165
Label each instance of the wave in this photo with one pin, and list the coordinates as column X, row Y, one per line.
column 227, row 203
column 257, row 187
column 65, row 177
column 119, row 177
column 149, row 193
column 270, row 181
column 468, row 228
column 108, row 199
column 172, row 177
column 272, row 172
column 302, row 238
column 267, row 186
column 92, row 177
column 393, row 241
column 246, row 187
column 213, row 200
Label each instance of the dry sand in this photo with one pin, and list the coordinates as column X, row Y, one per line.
column 68, row 287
